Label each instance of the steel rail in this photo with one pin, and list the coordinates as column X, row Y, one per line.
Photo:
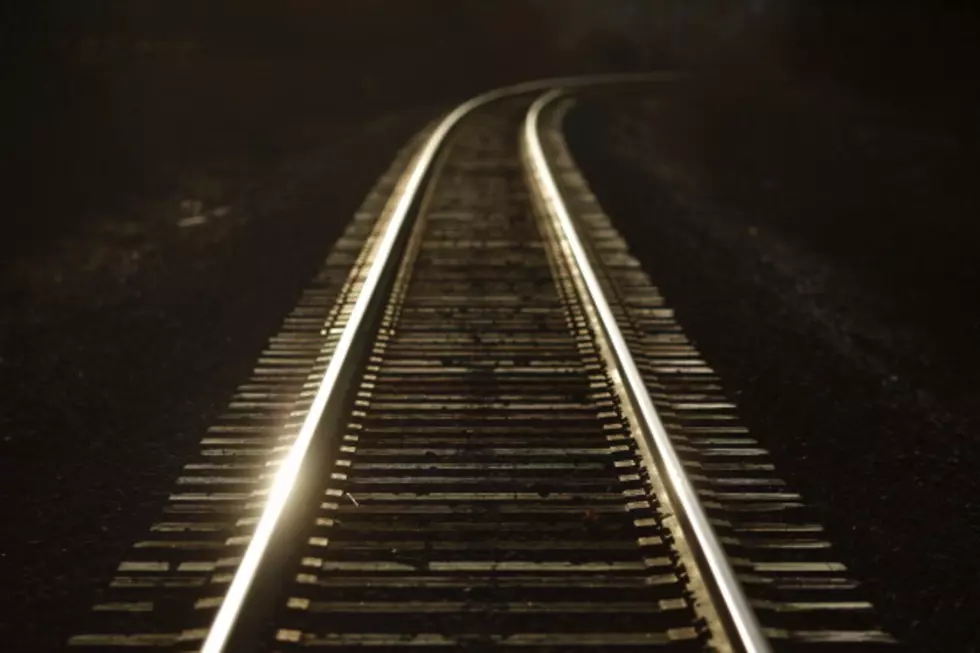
column 736, row 605
column 287, row 477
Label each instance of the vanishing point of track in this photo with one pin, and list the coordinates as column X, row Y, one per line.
column 482, row 427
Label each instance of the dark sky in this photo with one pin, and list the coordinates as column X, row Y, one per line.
column 364, row 32
column 75, row 63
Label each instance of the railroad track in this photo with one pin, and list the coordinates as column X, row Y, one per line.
column 481, row 426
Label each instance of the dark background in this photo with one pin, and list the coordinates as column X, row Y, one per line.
column 145, row 86
column 815, row 123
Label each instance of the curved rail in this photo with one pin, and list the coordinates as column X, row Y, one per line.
column 743, row 619
column 330, row 387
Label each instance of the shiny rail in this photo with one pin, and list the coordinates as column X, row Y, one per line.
column 659, row 450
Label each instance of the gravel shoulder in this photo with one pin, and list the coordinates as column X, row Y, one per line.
column 126, row 327
column 821, row 251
